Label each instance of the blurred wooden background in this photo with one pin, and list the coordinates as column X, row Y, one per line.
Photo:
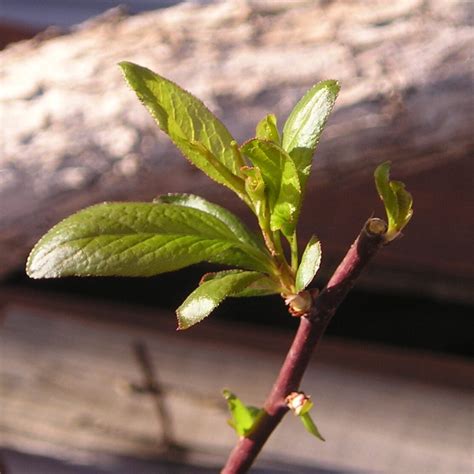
column 73, row 390
column 73, row 134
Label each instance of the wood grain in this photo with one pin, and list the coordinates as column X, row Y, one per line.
column 66, row 391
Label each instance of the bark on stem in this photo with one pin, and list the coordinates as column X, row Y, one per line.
column 308, row 335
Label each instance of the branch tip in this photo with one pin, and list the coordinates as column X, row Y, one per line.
column 376, row 226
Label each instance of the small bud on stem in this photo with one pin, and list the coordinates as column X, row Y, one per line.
column 299, row 403
column 299, row 304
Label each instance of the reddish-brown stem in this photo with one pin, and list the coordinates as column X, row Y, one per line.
column 308, row 335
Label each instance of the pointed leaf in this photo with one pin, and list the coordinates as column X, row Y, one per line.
column 309, row 265
column 139, row 239
column 310, row 426
column 267, row 129
column 243, row 417
column 235, row 225
column 304, row 126
column 186, row 120
column 204, row 299
column 261, row 287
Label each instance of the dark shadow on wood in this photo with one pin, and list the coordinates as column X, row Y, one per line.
column 152, row 387
column 25, row 463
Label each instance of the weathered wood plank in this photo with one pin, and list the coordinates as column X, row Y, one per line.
column 65, row 390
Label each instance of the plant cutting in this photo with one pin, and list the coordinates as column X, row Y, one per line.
column 269, row 174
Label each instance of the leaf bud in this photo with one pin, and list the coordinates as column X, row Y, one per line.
column 299, row 403
column 299, row 304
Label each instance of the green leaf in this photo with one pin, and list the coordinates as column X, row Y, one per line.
column 304, row 126
column 235, row 225
column 261, row 287
column 255, row 188
column 139, row 239
column 397, row 201
column 267, row 129
column 195, row 130
column 243, row 418
column 386, row 193
column 287, row 207
column 206, row 297
column 405, row 203
column 269, row 158
column 281, row 182
column 210, row 165
column 310, row 426
column 309, row 265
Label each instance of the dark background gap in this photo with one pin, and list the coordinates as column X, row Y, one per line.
column 405, row 321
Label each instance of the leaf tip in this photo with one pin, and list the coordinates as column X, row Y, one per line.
column 126, row 67
column 382, row 169
column 36, row 271
column 181, row 327
column 31, row 274
column 181, row 321
column 227, row 394
column 333, row 85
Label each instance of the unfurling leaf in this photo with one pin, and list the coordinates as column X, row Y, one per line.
column 210, row 294
column 188, row 122
column 309, row 265
column 140, row 239
column 397, row 201
column 304, row 126
column 243, row 417
column 267, row 129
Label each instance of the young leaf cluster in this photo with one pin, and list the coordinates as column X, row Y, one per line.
column 268, row 172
